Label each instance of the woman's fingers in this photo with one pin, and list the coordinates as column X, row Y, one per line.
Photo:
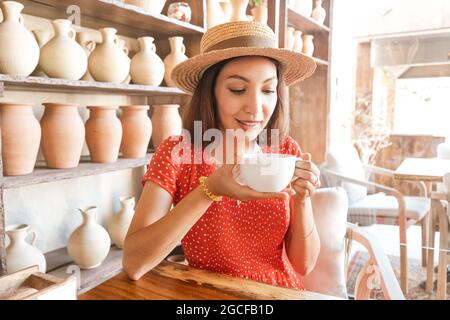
column 300, row 184
column 307, row 175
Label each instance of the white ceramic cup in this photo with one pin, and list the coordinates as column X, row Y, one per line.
column 446, row 179
column 267, row 172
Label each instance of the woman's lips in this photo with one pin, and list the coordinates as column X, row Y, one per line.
column 248, row 125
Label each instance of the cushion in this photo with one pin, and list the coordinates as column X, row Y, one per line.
column 345, row 161
column 330, row 213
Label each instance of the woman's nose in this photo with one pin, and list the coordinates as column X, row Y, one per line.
column 253, row 104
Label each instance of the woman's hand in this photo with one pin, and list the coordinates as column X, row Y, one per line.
column 222, row 183
column 306, row 177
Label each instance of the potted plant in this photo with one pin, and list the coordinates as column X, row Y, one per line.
column 259, row 10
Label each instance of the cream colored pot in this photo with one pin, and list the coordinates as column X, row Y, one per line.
column 147, row 68
column 120, row 222
column 176, row 56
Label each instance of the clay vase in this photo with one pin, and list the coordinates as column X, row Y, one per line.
column 20, row 254
column 89, row 244
column 62, row 135
column 136, row 131
column 319, row 14
column 21, row 135
column 122, row 44
column 108, row 62
column 215, row 14
column 226, row 9
column 19, row 54
column 238, row 10
column 84, row 40
column 290, row 38
column 42, row 37
column 298, row 41
column 151, row 6
column 147, row 68
column 304, row 7
column 103, row 134
column 260, row 14
column 308, row 45
column 166, row 122
column 62, row 57
column 120, row 222
column 176, row 56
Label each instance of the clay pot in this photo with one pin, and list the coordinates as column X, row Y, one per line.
column 226, row 9
column 166, row 122
column 298, row 41
column 136, row 131
column 42, row 37
column 21, row 135
column 20, row 254
column 239, row 10
column 62, row 135
column 62, row 57
column 122, row 45
column 319, row 14
column 108, row 62
column 89, row 244
column 151, row 6
column 147, row 68
column 304, row 7
column 260, row 14
column 290, row 38
column 176, row 56
column 84, row 39
column 103, row 134
column 308, row 45
column 120, row 222
column 215, row 14
column 19, row 54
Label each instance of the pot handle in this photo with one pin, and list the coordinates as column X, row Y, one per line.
column 125, row 49
column 72, row 33
column 183, row 48
column 90, row 45
column 21, row 21
column 116, row 40
column 33, row 240
column 154, row 48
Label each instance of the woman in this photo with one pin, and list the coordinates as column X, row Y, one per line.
column 224, row 226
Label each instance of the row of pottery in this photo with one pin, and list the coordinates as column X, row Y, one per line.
column 65, row 54
column 219, row 12
column 88, row 244
column 299, row 42
column 61, row 134
column 305, row 7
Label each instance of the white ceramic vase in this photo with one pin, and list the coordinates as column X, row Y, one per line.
column 62, row 57
column 304, row 7
column 120, row 222
column 42, row 37
column 298, row 41
column 215, row 15
column 88, row 45
column 89, row 244
column 19, row 54
column 226, row 10
column 290, row 38
column 308, row 44
column 147, row 68
column 108, row 62
column 319, row 14
column 20, row 254
column 239, row 10
column 260, row 14
column 176, row 56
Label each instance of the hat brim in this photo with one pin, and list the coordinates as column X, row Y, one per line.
column 295, row 66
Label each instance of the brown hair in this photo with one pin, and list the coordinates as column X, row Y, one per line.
column 203, row 105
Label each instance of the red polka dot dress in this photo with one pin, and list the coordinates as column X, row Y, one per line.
column 243, row 239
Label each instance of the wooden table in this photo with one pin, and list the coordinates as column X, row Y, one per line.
column 422, row 169
column 175, row 281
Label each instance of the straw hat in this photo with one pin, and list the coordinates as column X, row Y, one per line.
column 236, row 39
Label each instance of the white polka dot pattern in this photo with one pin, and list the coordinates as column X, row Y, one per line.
column 245, row 241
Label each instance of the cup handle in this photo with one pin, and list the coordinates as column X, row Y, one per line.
column 33, row 240
column 72, row 33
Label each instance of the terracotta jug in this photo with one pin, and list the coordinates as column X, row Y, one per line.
column 62, row 57
column 20, row 254
column 239, row 10
column 120, row 222
column 308, row 44
column 166, row 122
column 89, row 244
column 103, row 134
column 147, row 68
column 226, row 9
column 290, row 38
column 260, row 14
column 136, row 131
column 19, row 54
column 304, row 7
column 42, row 37
column 215, row 14
column 21, row 135
column 176, row 56
column 319, row 14
column 62, row 135
column 84, row 39
column 108, row 62
column 298, row 41
column 151, row 6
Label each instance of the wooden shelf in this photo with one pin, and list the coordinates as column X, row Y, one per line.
column 305, row 24
column 114, row 13
column 320, row 62
column 58, row 262
column 42, row 174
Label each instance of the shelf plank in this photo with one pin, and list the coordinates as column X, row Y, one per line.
column 42, row 174
column 116, row 13
column 58, row 262
column 305, row 24
column 320, row 62
column 80, row 86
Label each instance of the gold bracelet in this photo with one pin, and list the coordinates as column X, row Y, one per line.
column 210, row 195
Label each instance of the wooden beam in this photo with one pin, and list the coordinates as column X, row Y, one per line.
column 2, row 234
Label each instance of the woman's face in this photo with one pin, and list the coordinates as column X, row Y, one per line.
column 246, row 94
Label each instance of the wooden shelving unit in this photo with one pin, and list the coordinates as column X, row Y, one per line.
column 130, row 21
column 304, row 23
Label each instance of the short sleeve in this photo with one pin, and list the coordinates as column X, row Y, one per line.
column 290, row 146
column 162, row 169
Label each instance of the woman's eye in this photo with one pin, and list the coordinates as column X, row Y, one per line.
column 237, row 91
column 269, row 91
